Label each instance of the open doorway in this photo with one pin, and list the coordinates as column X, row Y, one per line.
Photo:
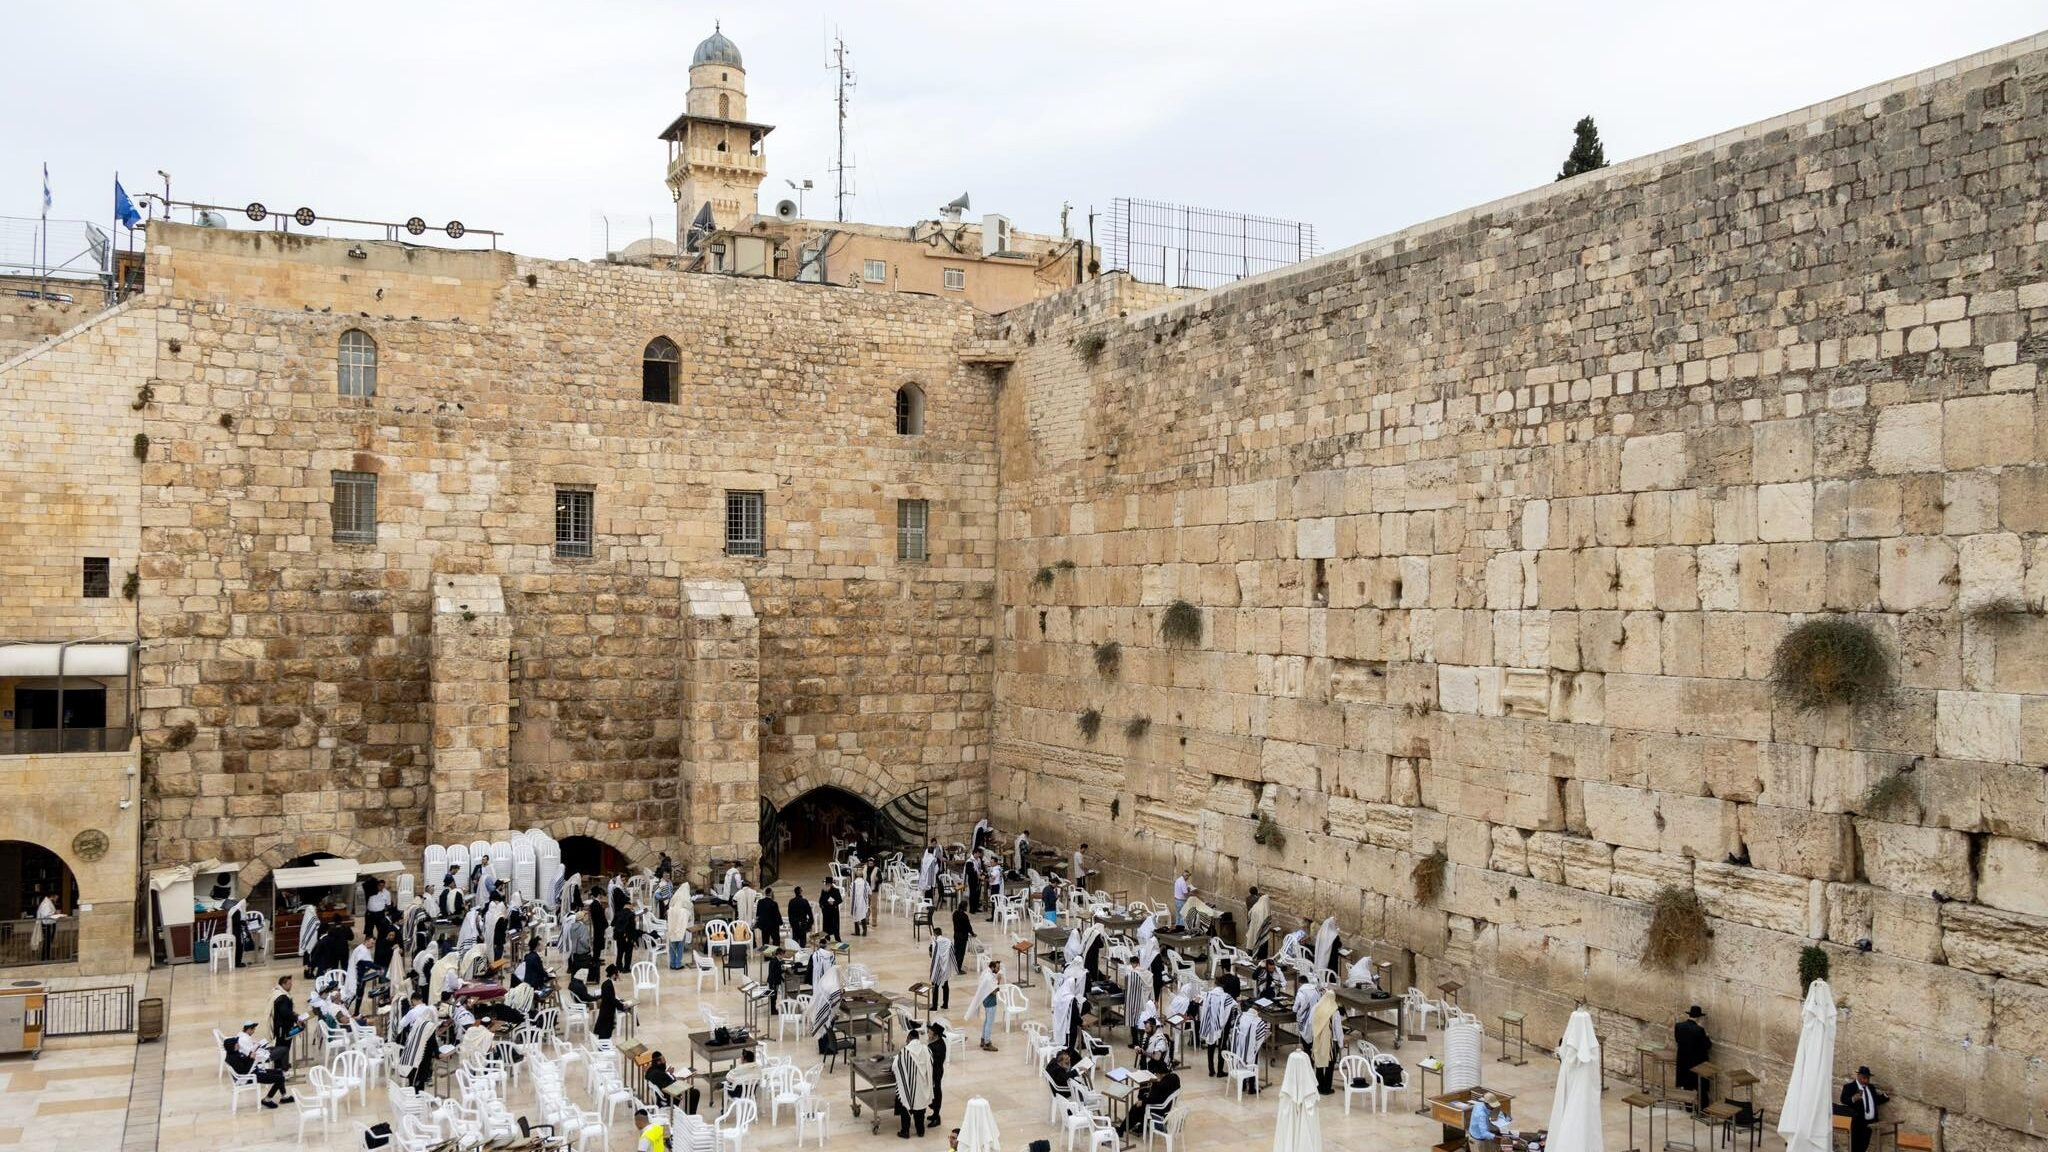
column 797, row 839
column 28, row 874
column 587, row 856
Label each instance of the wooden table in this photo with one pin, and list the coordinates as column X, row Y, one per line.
column 1448, row 1111
column 879, row 1074
column 1052, row 941
column 1365, row 1002
column 866, row 1011
column 701, row 1048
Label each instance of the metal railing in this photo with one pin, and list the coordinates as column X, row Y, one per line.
column 43, row 741
column 19, row 944
column 90, row 1011
column 1188, row 247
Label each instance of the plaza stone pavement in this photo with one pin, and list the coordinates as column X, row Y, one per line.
column 75, row 1099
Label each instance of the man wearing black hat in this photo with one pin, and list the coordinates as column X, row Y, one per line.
column 1690, row 1037
column 1861, row 1099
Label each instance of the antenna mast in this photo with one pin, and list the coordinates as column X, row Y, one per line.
column 845, row 89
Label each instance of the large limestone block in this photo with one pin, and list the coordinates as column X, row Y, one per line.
column 1988, row 430
column 1797, row 842
column 1916, row 573
column 1653, row 461
column 2013, row 876
column 1977, row 725
column 1588, row 864
column 1915, row 860
column 1698, row 826
column 1980, row 939
column 1784, row 512
column 1638, row 875
column 1907, row 439
column 1752, row 896
column 1622, row 816
column 1905, row 926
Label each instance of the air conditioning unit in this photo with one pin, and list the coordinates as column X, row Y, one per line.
column 995, row 234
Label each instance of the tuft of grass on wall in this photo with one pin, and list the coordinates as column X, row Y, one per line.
column 1813, row 965
column 1090, row 346
column 1090, row 723
column 1137, row 726
column 1109, row 657
column 1428, row 876
column 1181, row 624
column 1268, row 833
column 1831, row 660
column 1678, row 936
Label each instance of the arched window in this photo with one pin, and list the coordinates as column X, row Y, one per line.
column 724, row 106
column 909, row 410
column 659, row 366
column 356, row 364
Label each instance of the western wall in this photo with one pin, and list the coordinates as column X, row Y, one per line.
column 1494, row 526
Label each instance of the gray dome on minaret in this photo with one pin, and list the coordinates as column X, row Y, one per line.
column 716, row 49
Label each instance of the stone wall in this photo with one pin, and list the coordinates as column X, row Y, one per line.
column 1494, row 527
column 288, row 678
column 28, row 321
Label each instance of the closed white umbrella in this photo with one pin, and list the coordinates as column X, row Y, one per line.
column 978, row 1128
column 1298, row 1128
column 1575, row 1111
column 1806, row 1120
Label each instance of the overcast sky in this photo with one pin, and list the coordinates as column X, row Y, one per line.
column 1359, row 118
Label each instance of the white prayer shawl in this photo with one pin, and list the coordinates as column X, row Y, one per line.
column 1328, row 1047
column 729, row 888
column 913, row 1068
column 942, row 960
column 681, row 915
column 486, row 877
column 491, row 919
column 571, row 892
column 1063, row 1000
column 1137, row 995
column 444, row 967
column 418, row 1031
column 821, row 960
column 859, row 899
column 472, row 928
column 1023, row 851
column 744, row 902
column 1147, row 928
column 1361, row 974
column 1147, row 949
column 520, row 999
column 983, row 989
column 1291, row 946
column 1159, row 1046
column 476, row 1043
column 309, row 930
column 1073, row 949
column 356, row 959
column 1255, row 922
column 1250, row 1037
column 1095, row 934
column 1305, row 998
column 826, row 993
column 1326, row 946
column 423, row 965
column 928, row 871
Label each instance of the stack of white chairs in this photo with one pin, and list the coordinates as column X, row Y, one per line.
column 525, row 869
column 573, row 1124
column 458, row 855
column 435, row 865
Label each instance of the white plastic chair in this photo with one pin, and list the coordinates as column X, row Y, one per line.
column 1010, row 999
column 1421, row 1007
column 706, row 966
column 1240, row 1071
column 645, row 976
column 1387, row 1091
column 242, row 1082
column 1166, row 1127
column 313, row 1107
column 813, row 1111
column 734, row 1122
column 220, row 951
column 788, row 1014
column 351, row 1071
column 1350, row 1070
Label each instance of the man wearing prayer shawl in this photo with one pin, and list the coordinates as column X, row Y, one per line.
column 1092, row 942
column 729, row 888
column 928, row 872
column 1259, row 912
column 913, row 1069
column 971, row 870
column 859, row 902
column 1250, row 1039
column 1328, row 947
column 1072, row 951
column 1294, row 943
column 682, row 916
column 984, row 1002
column 1023, row 853
column 1066, row 1010
column 826, row 993
column 472, row 927
column 494, row 928
column 416, row 1046
column 1305, row 998
column 486, row 880
column 1137, row 997
column 744, row 903
column 979, row 839
column 1325, row 1038
column 942, row 969
column 309, row 935
column 1361, row 974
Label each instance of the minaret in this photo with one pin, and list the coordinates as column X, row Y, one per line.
column 715, row 154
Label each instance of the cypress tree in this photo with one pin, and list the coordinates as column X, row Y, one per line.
column 1587, row 154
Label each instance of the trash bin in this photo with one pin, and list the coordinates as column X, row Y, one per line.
column 149, row 1019
column 201, row 950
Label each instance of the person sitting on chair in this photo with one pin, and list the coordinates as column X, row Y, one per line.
column 1155, row 1098
column 1862, row 1100
column 249, row 1056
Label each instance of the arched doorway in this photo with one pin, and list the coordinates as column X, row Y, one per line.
column 587, row 856
column 28, row 874
column 798, row 837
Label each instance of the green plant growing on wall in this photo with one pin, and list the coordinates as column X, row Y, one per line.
column 1109, row 656
column 1831, row 660
column 227, row 421
column 1678, row 935
column 1042, row 578
column 1063, row 565
column 1137, row 726
column 1887, row 792
column 1587, row 152
column 1428, row 876
column 1181, row 624
column 132, row 585
column 2005, row 612
column 1116, row 807
column 1268, row 834
column 143, row 396
column 142, row 446
column 1090, row 723
column 1813, row 965
column 1090, row 346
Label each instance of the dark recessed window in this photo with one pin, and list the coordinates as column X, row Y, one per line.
column 743, row 518
column 356, row 364
column 575, row 516
column 355, row 507
column 913, row 518
column 659, row 367
column 909, row 410
column 98, row 584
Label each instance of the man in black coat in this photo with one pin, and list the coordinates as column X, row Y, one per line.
column 1862, row 1100
column 625, row 932
column 767, row 921
column 935, row 1041
column 799, row 918
column 1154, row 1098
column 962, row 929
column 829, row 901
column 1693, row 1045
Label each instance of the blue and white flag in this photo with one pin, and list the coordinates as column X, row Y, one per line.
column 46, row 187
column 124, row 208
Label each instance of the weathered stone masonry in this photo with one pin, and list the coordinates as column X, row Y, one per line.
column 1494, row 526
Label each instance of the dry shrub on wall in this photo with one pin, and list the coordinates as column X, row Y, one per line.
column 1109, row 656
column 1678, row 935
column 1181, row 624
column 1043, row 577
column 1428, row 876
column 1090, row 346
column 1268, row 833
column 1090, row 723
column 1137, row 727
column 1831, row 660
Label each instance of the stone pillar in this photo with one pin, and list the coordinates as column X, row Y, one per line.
column 721, row 746
column 472, row 697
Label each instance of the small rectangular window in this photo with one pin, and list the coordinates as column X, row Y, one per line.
column 355, row 507
column 956, row 279
column 1319, row 589
column 912, row 519
column 743, row 535
column 97, row 581
column 575, row 513
column 875, row 271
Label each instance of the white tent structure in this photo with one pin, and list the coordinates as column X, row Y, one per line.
column 1575, row 1111
column 1298, row 1127
column 978, row 1128
column 1806, row 1120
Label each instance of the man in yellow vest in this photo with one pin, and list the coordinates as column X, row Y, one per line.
column 653, row 1137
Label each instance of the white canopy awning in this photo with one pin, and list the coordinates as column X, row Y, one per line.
column 381, row 868
column 325, row 874
column 78, row 659
column 163, row 878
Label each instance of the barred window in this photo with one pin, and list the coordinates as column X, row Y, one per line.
column 912, row 517
column 956, row 279
column 743, row 535
column 98, row 584
column 355, row 507
column 575, row 512
column 874, row 271
column 356, row 363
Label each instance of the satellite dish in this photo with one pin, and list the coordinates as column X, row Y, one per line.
column 211, row 220
column 785, row 209
column 959, row 205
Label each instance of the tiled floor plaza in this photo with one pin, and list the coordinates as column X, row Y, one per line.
column 170, row 1095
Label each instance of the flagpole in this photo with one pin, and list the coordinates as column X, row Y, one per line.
column 114, row 248
column 43, row 261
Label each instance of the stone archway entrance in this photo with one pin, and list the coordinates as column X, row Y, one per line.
column 29, row 873
column 807, row 825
